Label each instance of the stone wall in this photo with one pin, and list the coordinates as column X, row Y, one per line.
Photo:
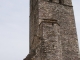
column 65, row 18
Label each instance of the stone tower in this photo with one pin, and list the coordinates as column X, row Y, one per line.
column 52, row 31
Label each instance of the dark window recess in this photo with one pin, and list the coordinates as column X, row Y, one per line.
column 50, row 0
column 61, row 1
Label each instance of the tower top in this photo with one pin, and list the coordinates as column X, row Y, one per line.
column 52, row 31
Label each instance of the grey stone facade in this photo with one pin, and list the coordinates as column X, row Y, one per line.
column 52, row 31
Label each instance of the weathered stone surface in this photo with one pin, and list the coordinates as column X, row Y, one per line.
column 52, row 31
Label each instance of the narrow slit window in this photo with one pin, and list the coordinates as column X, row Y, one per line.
column 61, row 1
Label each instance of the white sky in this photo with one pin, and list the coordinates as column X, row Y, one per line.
column 14, row 28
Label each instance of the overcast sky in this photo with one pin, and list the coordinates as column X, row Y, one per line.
column 14, row 28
